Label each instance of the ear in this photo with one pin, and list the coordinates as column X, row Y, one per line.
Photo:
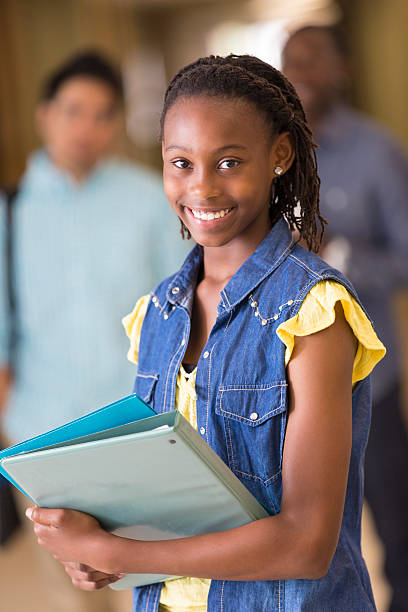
column 282, row 152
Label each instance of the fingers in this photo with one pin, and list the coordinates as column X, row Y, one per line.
column 50, row 517
column 88, row 579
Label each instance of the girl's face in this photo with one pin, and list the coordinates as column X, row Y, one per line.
column 219, row 164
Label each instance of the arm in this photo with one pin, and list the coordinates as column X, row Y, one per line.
column 297, row 543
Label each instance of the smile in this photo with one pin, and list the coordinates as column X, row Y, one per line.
column 209, row 215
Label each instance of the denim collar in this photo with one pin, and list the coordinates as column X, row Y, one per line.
column 273, row 249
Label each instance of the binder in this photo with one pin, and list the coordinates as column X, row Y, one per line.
column 151, row 478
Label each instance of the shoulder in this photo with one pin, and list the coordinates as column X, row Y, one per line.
column 133, row 326
column 311, row 269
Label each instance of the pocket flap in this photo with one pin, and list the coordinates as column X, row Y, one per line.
column 144, row 385
column 252, row 404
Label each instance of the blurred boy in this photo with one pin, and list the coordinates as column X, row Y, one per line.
column 89, row 233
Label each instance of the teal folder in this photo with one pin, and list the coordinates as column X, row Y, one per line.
column 151, row 479
column 125, row 410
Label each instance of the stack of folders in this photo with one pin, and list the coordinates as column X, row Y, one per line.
column 142, row 475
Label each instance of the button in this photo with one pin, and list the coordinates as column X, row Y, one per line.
column 264, row 321
column 175, row 290
column 165, row 316
column 154, row 299
column 183, row 342
column 290, row 302
column 254, row 304
column 276, row 317
column 253, row 416
column 206, row 354
column 202, row 430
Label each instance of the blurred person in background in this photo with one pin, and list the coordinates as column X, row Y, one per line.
column 364, row 197
column 88, row 233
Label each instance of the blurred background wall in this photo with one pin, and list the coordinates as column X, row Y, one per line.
column 156, row 37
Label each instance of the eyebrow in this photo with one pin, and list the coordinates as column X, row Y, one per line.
column 219, row 150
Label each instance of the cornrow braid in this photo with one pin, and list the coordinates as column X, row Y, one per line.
column 295, row 194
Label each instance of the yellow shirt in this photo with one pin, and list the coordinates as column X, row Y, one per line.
column 316, row 313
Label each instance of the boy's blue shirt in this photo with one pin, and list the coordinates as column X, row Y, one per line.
column 81, row 253
column 242, row 404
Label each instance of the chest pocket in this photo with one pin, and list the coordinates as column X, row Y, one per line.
column 144, row 387
column 254, row 424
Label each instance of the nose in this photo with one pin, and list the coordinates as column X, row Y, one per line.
column 204, row 184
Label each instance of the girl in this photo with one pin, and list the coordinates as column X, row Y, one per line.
column 263, row 347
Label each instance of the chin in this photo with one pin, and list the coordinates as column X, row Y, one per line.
column 211, row 241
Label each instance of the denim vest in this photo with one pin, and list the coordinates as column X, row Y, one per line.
column 242, row 404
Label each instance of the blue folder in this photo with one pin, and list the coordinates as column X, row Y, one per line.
column 126, row 410
column 151, row 478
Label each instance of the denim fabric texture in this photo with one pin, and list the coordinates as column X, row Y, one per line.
column 242, row 404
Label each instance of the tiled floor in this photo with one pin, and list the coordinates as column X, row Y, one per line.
column 18, row 577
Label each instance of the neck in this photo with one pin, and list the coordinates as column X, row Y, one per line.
column 316, row 116
column 78, row 172
column 221, row 263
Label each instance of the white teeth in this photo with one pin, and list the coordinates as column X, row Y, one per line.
column 198, row 214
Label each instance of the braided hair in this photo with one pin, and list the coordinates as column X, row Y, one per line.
column 295, row 194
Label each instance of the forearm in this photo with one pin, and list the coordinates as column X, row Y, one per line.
column 268, row 549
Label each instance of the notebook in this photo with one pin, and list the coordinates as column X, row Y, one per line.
column 150, row 478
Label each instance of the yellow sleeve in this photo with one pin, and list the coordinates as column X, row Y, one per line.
column 317, row 312
column 133, row 326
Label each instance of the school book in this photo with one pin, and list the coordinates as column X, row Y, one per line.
column 151, row 478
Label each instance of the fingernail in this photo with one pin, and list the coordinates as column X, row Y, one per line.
column 29, row 513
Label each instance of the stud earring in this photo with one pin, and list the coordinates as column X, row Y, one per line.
column 278, row 170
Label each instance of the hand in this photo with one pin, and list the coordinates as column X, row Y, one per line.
column 87, row 578
column 70, row 536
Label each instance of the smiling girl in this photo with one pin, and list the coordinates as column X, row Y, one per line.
column 263, row 347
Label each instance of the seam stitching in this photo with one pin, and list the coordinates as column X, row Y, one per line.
column 258, row 477
column 301, row 263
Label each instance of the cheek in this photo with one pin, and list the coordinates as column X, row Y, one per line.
column 171, row 186
column 251, row 191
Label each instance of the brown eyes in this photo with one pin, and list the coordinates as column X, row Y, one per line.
column 226, row 164
column 181, row 163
